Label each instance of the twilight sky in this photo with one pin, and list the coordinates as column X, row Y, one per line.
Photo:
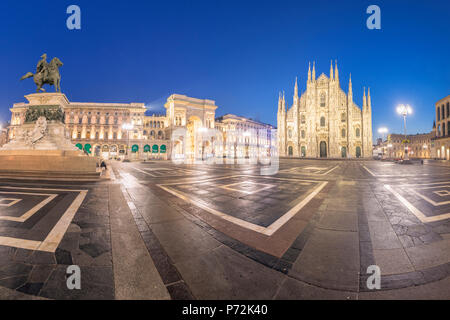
column 238, row 53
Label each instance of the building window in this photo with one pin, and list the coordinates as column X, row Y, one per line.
column 343, row 133
column 358, row 133
column 290, row 133
column 343, row 117
column 322, row 100
column 322, row 122
column 303, row 134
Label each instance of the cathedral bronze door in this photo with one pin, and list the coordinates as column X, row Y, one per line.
column 358, row 152
column 303, row 151
column 323, row 149
column 290, row 151
column 344, row 152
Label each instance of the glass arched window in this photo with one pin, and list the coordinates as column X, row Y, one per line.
column 358, row 133
column 303, row 120
column 322, row 99
column 303, row 134
column 322, row 122
column 343, row 133
column 438, row 114
column 343, row 117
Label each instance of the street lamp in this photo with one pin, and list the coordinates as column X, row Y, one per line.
column 127, row 127
column 382, row 131
column 405, row 110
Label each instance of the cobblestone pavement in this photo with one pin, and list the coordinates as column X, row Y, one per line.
column 226, row 231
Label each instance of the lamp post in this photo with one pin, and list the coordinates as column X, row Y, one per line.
column 127, row 127
column 382, row 131
column 405, row 110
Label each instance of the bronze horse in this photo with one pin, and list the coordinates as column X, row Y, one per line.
column 52, row 79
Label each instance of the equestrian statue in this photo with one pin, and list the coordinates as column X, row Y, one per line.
column 46, row 73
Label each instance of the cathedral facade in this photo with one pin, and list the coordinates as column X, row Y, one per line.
column 324, row 122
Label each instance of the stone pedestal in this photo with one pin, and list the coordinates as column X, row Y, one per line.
column 42, row 148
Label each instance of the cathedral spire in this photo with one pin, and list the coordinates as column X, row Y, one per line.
column 369, row 100
column 296, row 89
column 331, row 70
column 309, row 72
column 314, row 71
column 279, row 101
column 336, row 72
column 283, row 103
column 350, row 89
column 364, row 99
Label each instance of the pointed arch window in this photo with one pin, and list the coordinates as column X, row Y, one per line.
column 358, row 132
column 322, row 100
column 322, row 121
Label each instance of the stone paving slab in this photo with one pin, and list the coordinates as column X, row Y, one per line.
column 292, row 289
column 393, row 261
column 224, row 274
column 135, row 275
column 429, row 255
column 330, row 259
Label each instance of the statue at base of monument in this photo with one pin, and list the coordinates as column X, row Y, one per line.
column 31, row 137
column 46, row 73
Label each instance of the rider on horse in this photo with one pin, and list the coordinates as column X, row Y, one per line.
column 42, row 66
